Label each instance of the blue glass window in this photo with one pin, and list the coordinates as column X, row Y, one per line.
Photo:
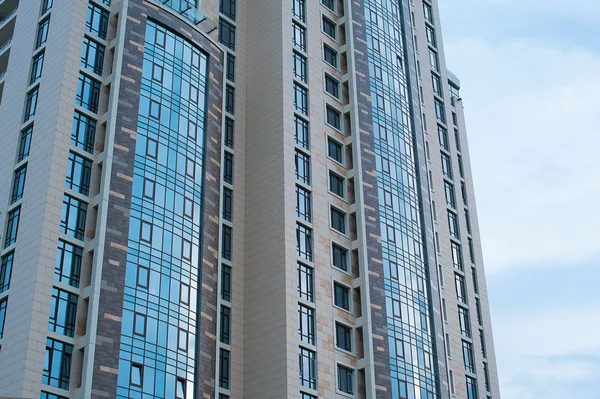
column 31, row 104
column 18, row 184
column 63, row 310
column 46, row 6
column 97, row 21
column 74, row 214
column 46, row 395
column 92, row 56
column 88, row 93
column 227, row 204
column 79, row 172
column 42, row 32
column 299, row 9
column 68, row 263
column 3, row 304
column 36, row 67
column 12, row 227
column 6, row 271
column 57, row 364
column 24, row 143
column 340, row 257
column 83, row 133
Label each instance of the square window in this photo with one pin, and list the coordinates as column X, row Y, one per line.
column 341, row 296
column 340, row 257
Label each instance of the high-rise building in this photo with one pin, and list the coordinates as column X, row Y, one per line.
column 236, row 199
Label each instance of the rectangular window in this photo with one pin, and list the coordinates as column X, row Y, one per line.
column 443, row 137
column 305, row 282
column 68, row 263
column 335, row 150
column 306, row 324
column 304, row 242
column 18, row 184
column 63, row 310
column 330, row 56
column 457, row 260
column 341, row 296
column 471, row 388
column 228, row 8
column 79, row 172
column 329, row 27
column 229, row 132
column 308, row 368
column 227, row 204
column 300, row 99
column 226, row 283
column 446, row 166
column 226, row 243
column 433, row 60
column 225, row 325
column 338, row 220
column 482, row 341
column 306, row 396
column 46, row 6
column 227, row 33
column 436, row 84
column 230, row 67
column 230, row 99
column 464, row 322
column 139, row 324
column 299, row 9
column 468, row 356
column 300, row 68
column 180, row 389
column 461, row 171
column 74, row 214
column 12, row 227
column 478, row 310
column 24, row 143
column 299, row 36
column 303, row 204
column 36, row 67
column 450, row 197
column 345, row 377
column 83, row 133
column 42, row 32
column 334, row 118
column 336, row 184
column 3, row 304
column 440, row 112
column 343, row 337
column 57, row 364
column 228, row 168
column 302, row 167
column 301, row 132
column 332, row 86
column 428, row 12
column 136, row 377
column 97, row 21
column 329, row 4
column 461, row 289
column 340, row 257
column 453, row 225
column 224, row 368
column 31, row 104
column 430, row 36
column 6, row 271
column 92, row 56
column 88, row 93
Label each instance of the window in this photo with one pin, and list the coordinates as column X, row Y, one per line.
column 229, row 132
column 453, row 225
column 83, row 133
column 68, row 263
column 88, row 93
column 301, row 132
column 468, row 356
column 446, row 166
column 335, row 150
column 486, row 376
column 300, row 99
column 137, row 375
column 428, row 12
column 306, row 396
column 3, row 304
column 482, row 341
column 299, row 9
column 478, row 310
column 299, row 36
column 227, row 34
column 329, row 4
column 338, row 220
column 305, row 282
column 228, row 168
column 227, row 204
column 440, row 112
column 308, row 368
column 460, row 166
column 463, row 192
column 79, row 170
column 230, row 99
column 97, row 21
column 332, row 86
column 464, row 321
column 336, row 184
column 180, row 389
column 226, row 283
column 341, row 296
column 226, row 242
column 306, row 324
column 143, row 277
column 471, row 251
column 63, row 309
column 430, row 36
column 24, row 144
column 443, row 136
column 343, row 337
column 329, row 27
column 471, row 388
column 57, row 364
column 474, row 277
column 302, row 167
column 31, row 104
column 304, row 242
column 227, row 7
column 300, row 68
column 46, row 6
column 433, row 60
column 74, row 213
column 6, row 271
column 139, row 324
column 42, row 32
column 340, row 257
column 225, row 327
column 92, row 56
column 461, row 290
column 18, row 184
column 437, row 84
column 12, row 227
column 330, row 56
column 303, row 204
column 454, row 91
column 450, row 197
column 457, row 260
column 334, row 118
column 36, row 68
column 224, row 368
column 345, row 377
column 230, row 67
column 454, row 119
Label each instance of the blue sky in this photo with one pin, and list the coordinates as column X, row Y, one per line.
column 530, row 75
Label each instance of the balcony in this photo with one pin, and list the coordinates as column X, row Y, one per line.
column 6, row 6
column 188, row 10
column 7, row 25
column 4, row 51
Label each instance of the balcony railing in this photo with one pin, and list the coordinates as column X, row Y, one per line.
column 188, row 10
column 2, row 76
column 9, row 16
column 5, row 45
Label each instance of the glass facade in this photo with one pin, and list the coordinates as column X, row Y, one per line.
column 163, row 266
column 405, row 269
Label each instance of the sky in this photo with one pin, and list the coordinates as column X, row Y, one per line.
column 530, row 83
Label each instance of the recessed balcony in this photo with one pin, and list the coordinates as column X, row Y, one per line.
column 7, row 25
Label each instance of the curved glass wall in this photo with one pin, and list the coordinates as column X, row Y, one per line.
column 158, row 337
column 412, row 360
